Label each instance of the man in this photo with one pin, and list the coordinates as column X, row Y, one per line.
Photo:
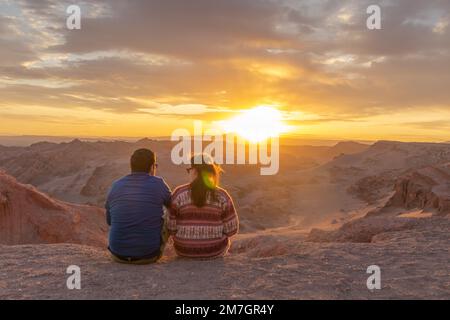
column 134, row 210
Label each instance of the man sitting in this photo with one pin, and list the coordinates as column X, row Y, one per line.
column 134, row 210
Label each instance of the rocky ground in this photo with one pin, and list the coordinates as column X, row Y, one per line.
column 277, row 264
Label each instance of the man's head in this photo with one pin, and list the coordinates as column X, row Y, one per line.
column 143, row 160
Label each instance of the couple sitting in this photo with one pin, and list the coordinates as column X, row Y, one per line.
column 201, row 216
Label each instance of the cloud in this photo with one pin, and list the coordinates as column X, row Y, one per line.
column 431, row 125
column 314, row 56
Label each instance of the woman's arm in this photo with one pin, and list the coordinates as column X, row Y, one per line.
column 172, row 218
column 230, row 218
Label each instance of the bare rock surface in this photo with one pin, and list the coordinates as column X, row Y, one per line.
column 426, row 188
column 28, row 216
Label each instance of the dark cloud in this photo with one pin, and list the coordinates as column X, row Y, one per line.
column 193, row 30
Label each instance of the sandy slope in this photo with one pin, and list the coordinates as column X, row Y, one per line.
column 278, row 264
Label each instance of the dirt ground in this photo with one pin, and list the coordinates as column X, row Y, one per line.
column 277, row 264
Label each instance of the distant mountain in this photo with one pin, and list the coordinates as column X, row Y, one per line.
column 349, row 147
column 64, row 170
column 82, row 171
column 25, row 141
column 314, row 182
column 392, row 155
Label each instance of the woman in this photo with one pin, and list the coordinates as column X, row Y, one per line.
column 202, row 217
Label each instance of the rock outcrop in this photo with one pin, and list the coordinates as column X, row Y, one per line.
column 372, row 188
column 426, row 188
column 28, row 216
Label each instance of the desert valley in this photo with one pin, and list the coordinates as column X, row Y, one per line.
column 331, row 212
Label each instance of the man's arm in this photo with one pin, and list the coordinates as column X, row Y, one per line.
column 166, row 194
column 108, row 216
column 108, row 208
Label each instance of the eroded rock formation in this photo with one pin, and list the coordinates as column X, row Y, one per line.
column 28, row 216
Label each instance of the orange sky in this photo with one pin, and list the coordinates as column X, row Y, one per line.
column 145, row 68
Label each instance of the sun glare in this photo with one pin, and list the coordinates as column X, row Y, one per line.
column 257, row 124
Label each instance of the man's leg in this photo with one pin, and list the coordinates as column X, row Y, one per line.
column 164, row 239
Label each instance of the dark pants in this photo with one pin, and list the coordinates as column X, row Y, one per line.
column 164, row 239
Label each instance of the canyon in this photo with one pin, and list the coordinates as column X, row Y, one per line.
column 309, row 232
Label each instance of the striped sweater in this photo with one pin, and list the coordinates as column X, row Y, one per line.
column 202, row 232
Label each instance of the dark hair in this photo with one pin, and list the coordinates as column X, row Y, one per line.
column 142, row 160
column 207, row 181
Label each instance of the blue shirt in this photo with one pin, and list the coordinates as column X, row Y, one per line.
column 134, row 210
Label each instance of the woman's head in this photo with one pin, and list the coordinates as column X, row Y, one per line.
column 205, row 176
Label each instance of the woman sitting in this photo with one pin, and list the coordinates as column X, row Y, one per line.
column 202, row 217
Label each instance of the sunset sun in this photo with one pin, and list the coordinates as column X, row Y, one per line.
column 257, row 124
